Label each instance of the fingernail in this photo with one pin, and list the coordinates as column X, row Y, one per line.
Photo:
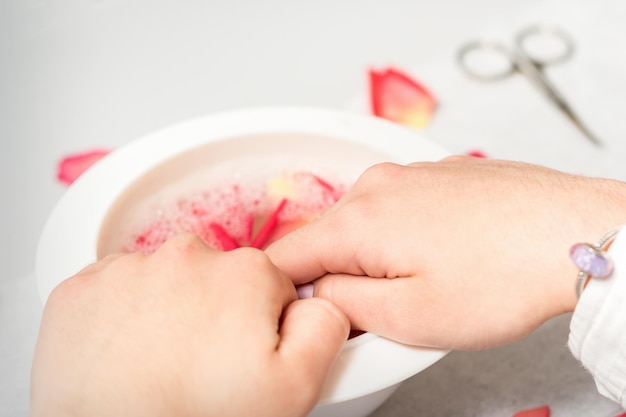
column 305, row 291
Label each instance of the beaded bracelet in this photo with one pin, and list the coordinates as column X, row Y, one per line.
column 592, row 260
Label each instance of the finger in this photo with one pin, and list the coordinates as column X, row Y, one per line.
column 388, row 307
column 316, row 249
column 312, row 334
column 184, row 245
column 255, row 285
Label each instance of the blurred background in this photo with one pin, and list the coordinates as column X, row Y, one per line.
column 82, row 74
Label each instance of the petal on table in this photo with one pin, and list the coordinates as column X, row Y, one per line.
column 397, row 97
column 73, row 166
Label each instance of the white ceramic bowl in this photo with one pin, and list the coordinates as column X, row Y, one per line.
column 370, row 368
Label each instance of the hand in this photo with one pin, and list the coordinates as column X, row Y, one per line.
column 464, row 253
column 187, row 331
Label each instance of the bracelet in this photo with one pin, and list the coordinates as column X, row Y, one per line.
column 592, row 260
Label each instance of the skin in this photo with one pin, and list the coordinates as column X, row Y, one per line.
column 187, row 331
column 464, row 253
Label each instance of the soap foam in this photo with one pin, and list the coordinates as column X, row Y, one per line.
column 239, row 203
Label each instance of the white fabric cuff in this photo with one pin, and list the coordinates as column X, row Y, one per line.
column 598, row 327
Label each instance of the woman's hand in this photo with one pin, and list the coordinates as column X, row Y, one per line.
column 187, row 331
column 464, row 253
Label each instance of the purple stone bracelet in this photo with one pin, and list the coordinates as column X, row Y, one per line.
column 591, row 260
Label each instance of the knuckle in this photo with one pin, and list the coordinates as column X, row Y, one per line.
column 356, row 212
column 61, row 291
column 376, row 180
column 255, row 259
column 66, row 292
column 182, row 245
column 456, row 158
column 380, row 172
column 187, row 240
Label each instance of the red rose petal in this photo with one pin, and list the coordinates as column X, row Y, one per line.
column 248, row 226
column 324, row 184
column 71, row 167
column 269, row 227
column 543, row 411
column 226, row 240
column 477, row 154
column 397, row 97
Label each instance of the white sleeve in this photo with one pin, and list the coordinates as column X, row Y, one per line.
column 598, row 327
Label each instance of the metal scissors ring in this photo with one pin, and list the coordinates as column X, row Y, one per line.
column 545, row 31
column 522, row 60
column 517, row 60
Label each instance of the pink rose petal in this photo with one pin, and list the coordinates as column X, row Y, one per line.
column 73, row 166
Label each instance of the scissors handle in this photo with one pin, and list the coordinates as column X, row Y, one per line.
column 505, row 61
column 533, row 39
column 541, row 44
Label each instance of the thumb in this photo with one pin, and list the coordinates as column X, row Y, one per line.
column 316, row 249
column 312, row 333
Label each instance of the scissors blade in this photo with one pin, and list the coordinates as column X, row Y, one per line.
column 567, row 110
column 536, row 76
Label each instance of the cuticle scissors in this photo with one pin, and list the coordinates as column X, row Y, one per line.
column 521, row 60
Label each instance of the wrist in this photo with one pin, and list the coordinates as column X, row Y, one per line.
column 596, row 330
column 601, row 221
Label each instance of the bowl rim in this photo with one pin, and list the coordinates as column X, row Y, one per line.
column 367, row 363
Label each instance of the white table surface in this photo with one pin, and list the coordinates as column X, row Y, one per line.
column 79, row 74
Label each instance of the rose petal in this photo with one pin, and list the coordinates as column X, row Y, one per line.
column 397, row 97
column 543, row 411
column 73, row 166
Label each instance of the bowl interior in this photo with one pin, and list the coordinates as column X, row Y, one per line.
column 247, row 161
